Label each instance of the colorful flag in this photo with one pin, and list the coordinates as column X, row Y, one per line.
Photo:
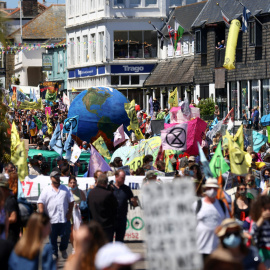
column 61, row 106
column 218, row 165
column 56, row 141
column 96, row 162
column 31, row 95
column 229, row 115
column 102, row 148
column 151, row 106
column 14, row 95
column 205, row 163
column 175, row 138
column 34, row 96
column 119, row 136
column 258, row 140
column 15, row 138
column 131, row 113
column 178, row 34
column 19, row 159
column 238, row 159
column 68, row 143
column 185, row 108
column 230, row 124
column 50, row 96
column 75, row 153
column 72, row 121
column 225, row 19
column 5, row 101
column 49, row 126
column 245, row 18
column 239, row 137
column 171, row 32
column 73, row 89
column 48, row 110
column 173, row 101
column 215, row 121
column 20, row 96
column 66, row 100
column 38, row 122
column 268, row 133
column 160, row 35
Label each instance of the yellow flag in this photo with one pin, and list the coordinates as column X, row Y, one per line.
column 15, row 138
column 27, row 105
column 73, row 90
column 101, row 146
column 239, row 137
column 50, row 128
column 138, row 134
column 19, row 159
column 225, row 140
column 173, row 98
column 239, row 160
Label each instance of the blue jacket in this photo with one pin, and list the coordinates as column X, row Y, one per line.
column 19, row 263
column 255, row 117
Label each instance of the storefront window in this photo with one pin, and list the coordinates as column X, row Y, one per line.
column 135, row 44
column 266, row 97
column 244, row 97
column 234, row 103
column 255, row 93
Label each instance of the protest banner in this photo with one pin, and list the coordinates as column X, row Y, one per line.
column 157, row 126
column 33, row 185
column 170, row 225
column 50, row 158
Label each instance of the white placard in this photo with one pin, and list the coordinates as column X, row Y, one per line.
column 170, row 226
column 186, row 47
column 170, row 50
column 75, row 154
column 178, row 49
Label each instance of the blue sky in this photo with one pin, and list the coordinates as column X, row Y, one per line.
column 14, row 3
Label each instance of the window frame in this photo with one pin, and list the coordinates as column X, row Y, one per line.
column 85, row 48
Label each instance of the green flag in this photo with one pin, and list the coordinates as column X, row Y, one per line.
column 268, row 132
column 38, row 122
column 178, row 35
column 218, row 163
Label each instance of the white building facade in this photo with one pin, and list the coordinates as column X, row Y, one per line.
column 112, row 43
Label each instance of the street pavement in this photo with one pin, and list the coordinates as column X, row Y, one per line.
column 136, row 246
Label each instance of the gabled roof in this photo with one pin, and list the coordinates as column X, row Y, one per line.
column 211, row 12
column 184, row 15
column 172, row 72
column 47, row 25
column 8, row 10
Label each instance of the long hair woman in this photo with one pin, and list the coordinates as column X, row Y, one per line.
column 89, row 240
column 30, row 252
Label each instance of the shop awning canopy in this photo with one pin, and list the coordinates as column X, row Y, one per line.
column 265, row 120
column 172, row 72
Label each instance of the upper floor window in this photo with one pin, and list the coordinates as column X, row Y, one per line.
column 176, row 3
column 150, row 2
column 135, row 2
column 119, row 2
column 255, row 34
column 71, row 52
column 201, row 41
column 135, row 44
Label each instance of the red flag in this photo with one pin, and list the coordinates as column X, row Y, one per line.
column 171, row 33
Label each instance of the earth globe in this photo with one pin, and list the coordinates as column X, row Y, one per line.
column 101, row 111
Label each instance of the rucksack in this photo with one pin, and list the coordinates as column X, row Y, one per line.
column 25, row 210
column 199, row 206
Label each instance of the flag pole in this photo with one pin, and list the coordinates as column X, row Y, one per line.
column 223, row 10
column 250, row 12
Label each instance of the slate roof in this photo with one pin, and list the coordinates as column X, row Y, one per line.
column 172, row 72
column 185, row 15
column 47, row 25
column 211, row 12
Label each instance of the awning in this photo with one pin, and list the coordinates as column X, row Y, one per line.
column 172, row 72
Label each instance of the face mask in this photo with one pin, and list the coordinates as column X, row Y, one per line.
column 232, row 241
column 242, row 193
column 266, row 177
column 84, row 146
column 73, row 188
column 150, row 163
column 191, row 173
column 211, row 193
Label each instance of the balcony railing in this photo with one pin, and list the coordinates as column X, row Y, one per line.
column 219, row 57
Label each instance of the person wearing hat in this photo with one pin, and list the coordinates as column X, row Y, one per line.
column 115, row 256
column 57, row 202
column 210, row 212
column 11, row 209
column 156, row 105
column 151, row 176
column 232, row 239
column 191, row 161
column 46, row 144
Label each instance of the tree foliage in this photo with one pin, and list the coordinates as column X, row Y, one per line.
column 207, row 108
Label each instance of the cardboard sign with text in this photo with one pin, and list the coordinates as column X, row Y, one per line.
column 170, row 225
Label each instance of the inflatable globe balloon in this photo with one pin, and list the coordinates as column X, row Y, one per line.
column 101, row 111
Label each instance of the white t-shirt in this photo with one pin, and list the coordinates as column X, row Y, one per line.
column 56, row 203
column 209, row 217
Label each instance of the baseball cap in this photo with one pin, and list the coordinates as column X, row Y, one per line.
column 150, row 174
column 46, row 139
column 191, row 158
column 55, row 174
column 211, row 182
column 117, row 253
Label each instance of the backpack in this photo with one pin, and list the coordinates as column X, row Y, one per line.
column 25, row 210
column 199, row 206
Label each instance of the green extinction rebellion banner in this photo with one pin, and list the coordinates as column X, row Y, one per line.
column 50, row 158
